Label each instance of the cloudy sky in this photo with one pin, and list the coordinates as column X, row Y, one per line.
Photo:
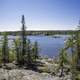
column 39, row 14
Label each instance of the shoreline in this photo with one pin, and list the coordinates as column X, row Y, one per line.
column 47, row 72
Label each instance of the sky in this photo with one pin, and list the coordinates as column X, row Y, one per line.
column 39, row 14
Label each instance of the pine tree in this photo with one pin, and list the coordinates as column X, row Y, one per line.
column 78, row 49
column 63, row 59
column 23, row 39
column 5, row 50
column 28, row 57
column 17, row 43
column 35, row 51
column 24, row 52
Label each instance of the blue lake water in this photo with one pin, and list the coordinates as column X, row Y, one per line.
column 48, row 45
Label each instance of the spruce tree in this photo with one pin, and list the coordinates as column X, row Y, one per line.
column 5, row 49
column 78, row 47
column 24, row 52
column 29, row 59
column 35, row 51
column 17, row 43
column 63, row 59
column 23, row 39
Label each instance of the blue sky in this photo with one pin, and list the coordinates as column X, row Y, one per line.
column 39, row 14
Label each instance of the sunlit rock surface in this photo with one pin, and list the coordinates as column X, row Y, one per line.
column 17, row 74
column 46, row 71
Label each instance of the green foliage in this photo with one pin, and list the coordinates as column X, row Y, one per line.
column 63, row 57
column 23, row 40
column 5, row 50
column 28, row 56
column 63, row 60
column 22, row 51
column 26, row 53
column 77, row 77
column 69, row 43
column 12, row 55
column 17, row 43
column 74, row 59
column 78, row 47
column 35, row 51
column 0, row 55
column 73, row 43
column 31, row 52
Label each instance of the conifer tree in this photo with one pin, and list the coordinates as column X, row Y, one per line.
column 24, row 48
column 5, row 50
column 78, row 47
column 63, row 59
column 18, row 51
column 28, row 57
column 23, row 39
column 35, row 51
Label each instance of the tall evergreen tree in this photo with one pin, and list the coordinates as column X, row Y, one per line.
column 5, row 50
column 63, row 59
column 17, row 43
column 23, row 39
column 23, row 48
column 28, row 59
column 78, row 47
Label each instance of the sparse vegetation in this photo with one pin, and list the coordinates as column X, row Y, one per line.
column 25, row 54
column 5, row 50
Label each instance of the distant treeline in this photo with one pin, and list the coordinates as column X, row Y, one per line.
column 41, row 32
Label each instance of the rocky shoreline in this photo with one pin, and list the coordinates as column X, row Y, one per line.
column 45, row 72
column 22, row 74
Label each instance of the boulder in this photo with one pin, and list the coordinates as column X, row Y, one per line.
column 10, row 66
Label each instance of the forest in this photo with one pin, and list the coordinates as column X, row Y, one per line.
column 41, row 32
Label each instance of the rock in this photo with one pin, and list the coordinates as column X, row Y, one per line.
column 57, row 78
column 10, row 66
column 48, row 70
column 4, row 67
column 45, row 74
column 14, row 62
column 0, row 66
column 25, row 78
column 68, row 77
column 22, row 74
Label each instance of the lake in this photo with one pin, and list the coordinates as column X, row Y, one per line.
column 48, row 45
